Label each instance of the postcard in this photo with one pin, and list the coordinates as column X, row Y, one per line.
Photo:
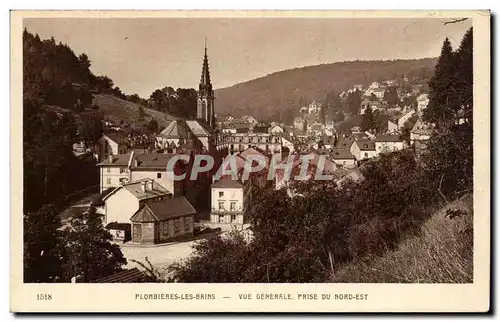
column 250, row 161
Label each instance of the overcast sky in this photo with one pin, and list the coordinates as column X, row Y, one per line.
column 143, row 54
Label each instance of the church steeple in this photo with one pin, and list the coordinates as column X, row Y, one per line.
column 206, row 94
column 205, row 72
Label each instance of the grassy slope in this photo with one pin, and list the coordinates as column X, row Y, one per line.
column 442, row 253
column 116, row 109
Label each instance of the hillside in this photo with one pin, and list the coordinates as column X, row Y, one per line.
column 441, row 253
column 267, row 96
column 116, row 110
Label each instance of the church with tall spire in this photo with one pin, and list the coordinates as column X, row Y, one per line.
column 205, row 104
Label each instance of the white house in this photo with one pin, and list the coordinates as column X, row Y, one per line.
column 388, row 143
column 230, row 199
column 343, row 158
column 420, row 132
column 363, row 150
column 276, row 129
column 125, row 200
column 111, row 144
column 123, row 168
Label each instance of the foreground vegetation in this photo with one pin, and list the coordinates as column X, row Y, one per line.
column 383, row 228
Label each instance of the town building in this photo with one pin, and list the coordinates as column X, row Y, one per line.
column 241, row 141
column 111, row 144
column 163, row 220
column 363, row 150
column 276, row 129
column 420, row 134
column 124, row 201
column 230, row 200
column 388, row 143
column 124, row 168
column 343, row 158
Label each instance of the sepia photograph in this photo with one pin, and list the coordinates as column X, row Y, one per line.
column 255, row 150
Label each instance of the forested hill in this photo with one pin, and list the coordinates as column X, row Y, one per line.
column 267, row 97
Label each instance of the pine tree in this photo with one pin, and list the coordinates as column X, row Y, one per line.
column 441, row 87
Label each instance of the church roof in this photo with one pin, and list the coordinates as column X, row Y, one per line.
column 176, row 130
column 199, row 128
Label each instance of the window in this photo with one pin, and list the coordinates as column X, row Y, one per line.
column 158, row 175
column 165, row 228
column 233, row 218
column 366, row 154
column 177, row 225
column 345, row 162
column 221, row 219
column 123, row 170
column 108, row 181
column 232, row 207
column 108, row 169
column 221, row 194
column 187, row 223
column 123, row 180
column 221, row 205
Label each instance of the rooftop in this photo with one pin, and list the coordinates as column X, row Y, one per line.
column 341, row 154
column 227, row 182
column 388, row 138
column 133, row 275
column 365, row 145
column 135, row 188
column 163, row 210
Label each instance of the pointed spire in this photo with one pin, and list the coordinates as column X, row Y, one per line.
column 205, row 73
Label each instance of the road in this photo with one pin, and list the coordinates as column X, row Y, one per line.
column 160, row 256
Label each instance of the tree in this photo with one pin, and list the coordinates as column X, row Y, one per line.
column 354, row 102
column 442, row 95
column 88, row 249
column 42, row 260
column 152, row 126
column 368, row 121
column 91, row 127
column 449, row 155
column 391, row 97
column 215, row 259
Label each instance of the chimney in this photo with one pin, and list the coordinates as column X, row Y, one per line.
column 143, row 186
column 149, row 185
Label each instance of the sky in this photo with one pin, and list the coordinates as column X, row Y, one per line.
column 144, row 54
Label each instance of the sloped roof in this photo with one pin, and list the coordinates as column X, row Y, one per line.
column 163, row 210
column 388, row 138
column 365, row 145
column 135, row 188
column 341, row 154
column 199, row 128
column 227, row 182
column 152, row 160
column 118, row 160
column 133, row 275
column 176, row 130
column 251, row 151
column 345, row 143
